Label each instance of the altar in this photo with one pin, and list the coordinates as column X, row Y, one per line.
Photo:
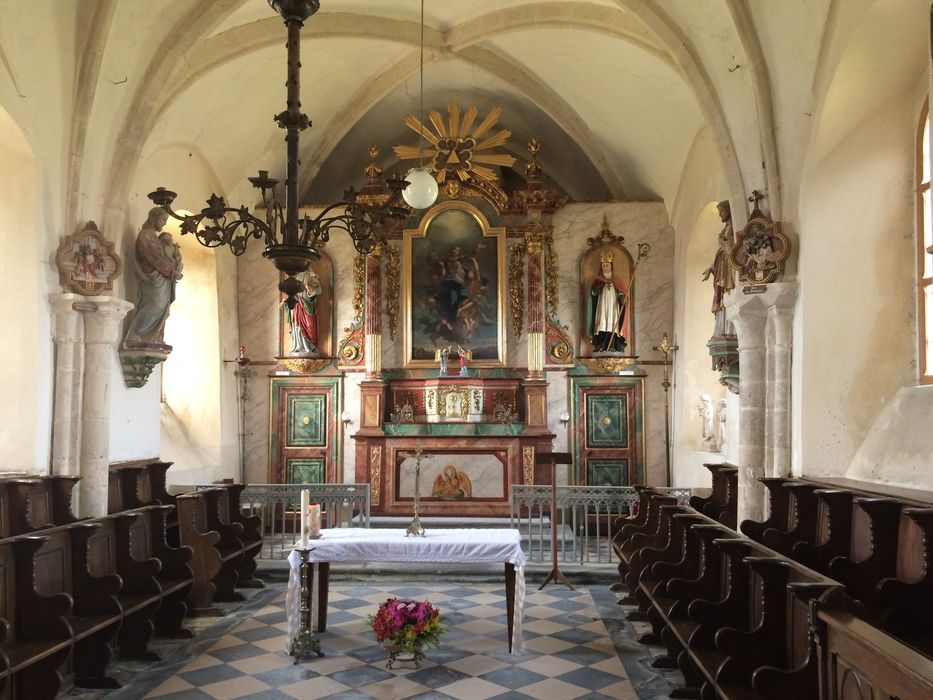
column 478, row 435
column 458, row 546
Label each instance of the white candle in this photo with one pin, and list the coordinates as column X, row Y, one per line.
column 315, row 518
column 305, row 498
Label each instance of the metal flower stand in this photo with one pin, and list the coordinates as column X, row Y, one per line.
column 398, row 654
column 304, row 644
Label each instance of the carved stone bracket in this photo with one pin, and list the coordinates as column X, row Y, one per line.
column 724, row 351
column 608, row 365
column 307, row 365
column 138, row 363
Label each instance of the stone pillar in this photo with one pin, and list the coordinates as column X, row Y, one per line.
column 534, row 305
column 372, row 326
column 102, row 328
column 68, row 335
column 763, row 325
column 780, row 321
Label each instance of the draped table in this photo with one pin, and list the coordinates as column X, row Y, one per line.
column 453, row 546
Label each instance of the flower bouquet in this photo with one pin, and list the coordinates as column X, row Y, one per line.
column 406, row 626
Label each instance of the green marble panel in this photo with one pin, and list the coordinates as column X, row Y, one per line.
column 306, row 421
column 304, row 471
column 606, row 421
column 607, row 472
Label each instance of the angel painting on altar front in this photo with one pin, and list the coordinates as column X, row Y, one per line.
column 452, row 485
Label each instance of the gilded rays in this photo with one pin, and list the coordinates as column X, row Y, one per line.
column 458, row 150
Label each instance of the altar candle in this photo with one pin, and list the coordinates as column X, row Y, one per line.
column 315, row 519
column 305, row 498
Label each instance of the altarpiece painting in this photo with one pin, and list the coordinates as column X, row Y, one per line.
column 454, row 286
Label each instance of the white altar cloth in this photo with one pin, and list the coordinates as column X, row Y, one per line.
column 451, row 546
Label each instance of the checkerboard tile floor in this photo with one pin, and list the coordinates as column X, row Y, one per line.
column 572, row 650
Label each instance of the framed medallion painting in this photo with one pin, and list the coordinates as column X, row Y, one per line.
column 454, row 287
column 87, row 263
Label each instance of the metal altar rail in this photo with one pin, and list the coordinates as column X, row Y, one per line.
column 585, row 515
column 279, row 506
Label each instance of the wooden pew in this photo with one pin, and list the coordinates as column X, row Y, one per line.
column 722, row 504
column 230, row 545
column 748, row 630
column 231, row 511
column 148, row 537
column 35, row 632
column 778, row 499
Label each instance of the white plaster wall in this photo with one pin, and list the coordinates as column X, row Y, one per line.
column 24, row 442
column 196, row 425
column 854, row 340
column 696, row 221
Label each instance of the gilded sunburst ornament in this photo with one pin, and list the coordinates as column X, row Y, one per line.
column 457, row 150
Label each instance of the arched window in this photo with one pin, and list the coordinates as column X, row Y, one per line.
column 924, row 249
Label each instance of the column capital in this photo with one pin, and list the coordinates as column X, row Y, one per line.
column 102, row 319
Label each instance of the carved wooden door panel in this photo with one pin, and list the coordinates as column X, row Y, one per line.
column 608, row 430
column 304, row 430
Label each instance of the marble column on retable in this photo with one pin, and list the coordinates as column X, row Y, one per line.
column 534, row 306
column 372, row 325
column 102, row 328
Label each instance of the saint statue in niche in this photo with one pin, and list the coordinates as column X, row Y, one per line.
column 302, row 320
column 452, row 485
column 722, row 272
column 705, row 409
column 607, row 304
column 158, row 268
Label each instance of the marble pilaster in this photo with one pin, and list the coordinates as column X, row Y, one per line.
column 102, row 320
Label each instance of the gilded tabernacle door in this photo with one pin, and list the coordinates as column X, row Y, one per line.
column 454, row 287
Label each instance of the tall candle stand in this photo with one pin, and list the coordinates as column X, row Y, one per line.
column 304, row 645
column 415, row 527
column 666, row 349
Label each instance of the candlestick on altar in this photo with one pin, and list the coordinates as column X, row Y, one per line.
column 415, row 527
column 305, row 499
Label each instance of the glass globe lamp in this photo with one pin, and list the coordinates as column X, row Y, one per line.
column 422, row 188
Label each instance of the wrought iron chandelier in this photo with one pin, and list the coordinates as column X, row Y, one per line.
column 291, row 242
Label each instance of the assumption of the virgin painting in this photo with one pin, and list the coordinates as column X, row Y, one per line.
column 454, row 287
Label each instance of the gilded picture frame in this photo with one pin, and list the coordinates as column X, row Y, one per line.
column 454, row 287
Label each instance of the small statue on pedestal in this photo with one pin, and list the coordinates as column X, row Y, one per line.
column 440, row 356
column 465, row 356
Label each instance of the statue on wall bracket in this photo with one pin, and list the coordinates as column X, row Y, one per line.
column 723, row 345
column 158, row 269
column 760, row 248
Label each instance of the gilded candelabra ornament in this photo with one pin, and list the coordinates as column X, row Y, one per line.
column 667, row 350
column 305, row 644
column 415, row 528
column 291, row 242
column 517, row 286
column 394, row 281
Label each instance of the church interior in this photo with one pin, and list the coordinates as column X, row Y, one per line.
column 676, row 250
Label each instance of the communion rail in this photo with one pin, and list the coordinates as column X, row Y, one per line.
column 279, row 506
column 584, row 517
